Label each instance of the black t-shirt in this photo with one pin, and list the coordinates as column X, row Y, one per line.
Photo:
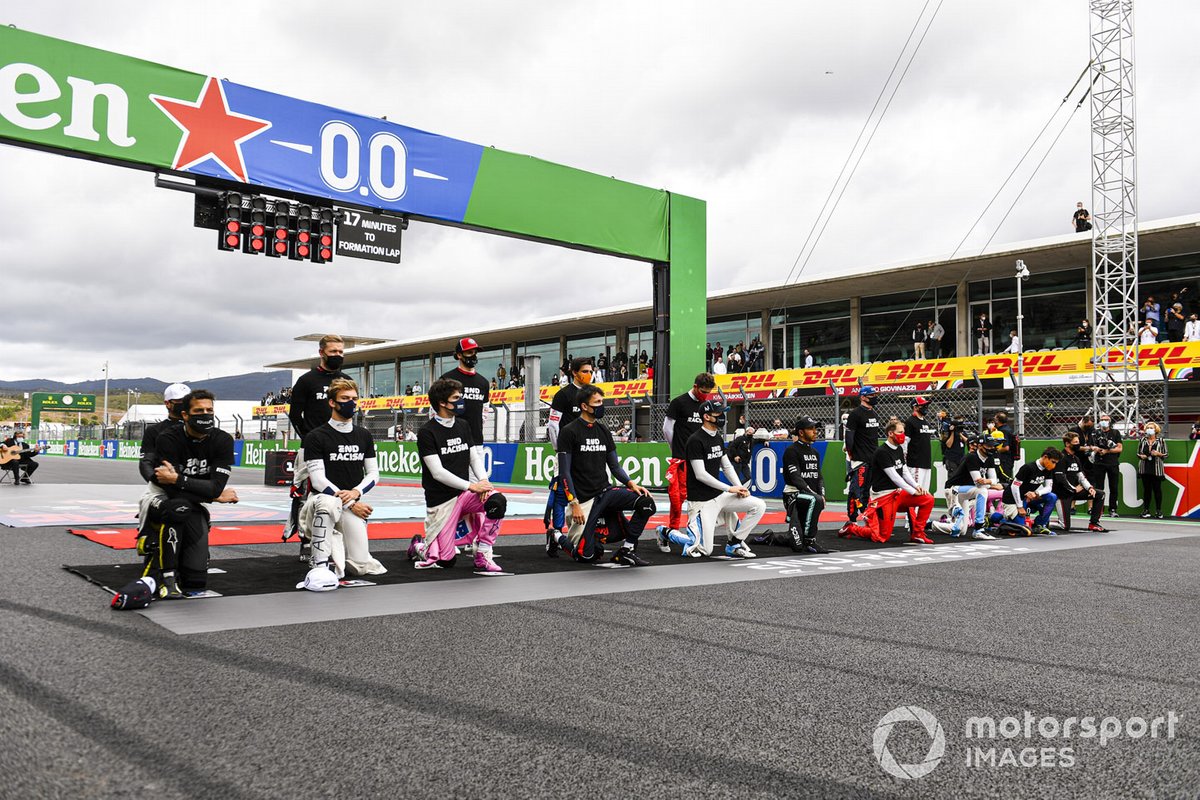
column 206, row 462
column 956, row 451
column 149, row 462
column 919, row 431
column 452, row 446
column 476, row 391
column 564, row 403
column 685, row 410
column 1010, row 441
column 864, row 422
column 885, row 456
column 1108, row 439
column 588, row 446
column 343, row 453
column 709, row 448
column 1032, row 476
column 1068, row 471
column 973, row 462
column 309, row 407
column 802, row 468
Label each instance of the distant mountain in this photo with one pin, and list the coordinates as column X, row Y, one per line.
column 249, row 386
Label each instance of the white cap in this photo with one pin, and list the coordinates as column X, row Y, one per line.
column 176, row 391
column 319, row 579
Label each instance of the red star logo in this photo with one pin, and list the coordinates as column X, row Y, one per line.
column 1188, row 499
column 211, row 130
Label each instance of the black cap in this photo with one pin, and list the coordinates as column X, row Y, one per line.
column 805, row 422
column 713, row 407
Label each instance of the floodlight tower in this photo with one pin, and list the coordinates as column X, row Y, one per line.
column 1114, row 204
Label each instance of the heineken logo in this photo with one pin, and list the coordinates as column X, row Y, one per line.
column 211, row 130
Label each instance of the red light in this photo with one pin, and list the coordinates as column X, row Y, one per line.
column 257, row 230
column 303, row 236
column 326, row 254
column 281, row 247
column 280, row 233
column 302, row 251
column 326, row 240
column 256, row 244
column 231, row 240
column 233, row 226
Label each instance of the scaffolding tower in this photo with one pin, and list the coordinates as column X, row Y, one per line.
column 1114, row 215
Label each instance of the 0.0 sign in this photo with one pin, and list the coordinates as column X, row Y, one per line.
column 386, row 162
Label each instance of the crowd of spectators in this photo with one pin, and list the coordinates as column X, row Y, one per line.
column 284, row 395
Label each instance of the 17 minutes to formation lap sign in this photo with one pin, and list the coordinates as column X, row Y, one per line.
column 371, row 236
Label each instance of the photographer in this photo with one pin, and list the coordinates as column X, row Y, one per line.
column 952, row 433
column 1195, row 431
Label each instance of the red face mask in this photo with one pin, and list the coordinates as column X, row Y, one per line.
column 899, row 437
column 701, row 395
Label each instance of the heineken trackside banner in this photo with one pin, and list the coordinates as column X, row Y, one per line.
column 646, row 462
column 1039, row 368
column 94, row 103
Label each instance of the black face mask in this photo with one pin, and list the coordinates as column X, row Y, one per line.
column 176, row 409
column 334, row 362
column 597, row 411
column 470, row 361
column 202, row 423
column 347, row 408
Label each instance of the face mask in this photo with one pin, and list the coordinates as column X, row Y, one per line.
column 701, row 395
column 460, row 407
column 1104, row 424
column 597, row 411
column 176, row 409
column 899, row 437
column 334, row 362
column 584, row 378
column 469, row 361
column 202, row 423
column 347, row 408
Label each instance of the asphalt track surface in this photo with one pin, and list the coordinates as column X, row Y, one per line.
column 768, row 688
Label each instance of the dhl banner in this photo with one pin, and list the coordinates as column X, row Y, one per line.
column 1038, row 368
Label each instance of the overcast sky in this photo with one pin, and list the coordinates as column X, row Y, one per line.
column 752, row 107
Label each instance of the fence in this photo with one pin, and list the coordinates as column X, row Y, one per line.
column 1049, row 410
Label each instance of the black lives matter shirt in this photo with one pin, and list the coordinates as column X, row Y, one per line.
column 588, row 446
column 685, row 410
column 344, row 454
column 149, row 461
column 476, row 391
column 973, row 462
column 309, row 407
column 919, row 432
column 709, row 448
column 1031, row 477
column 864, row 423
column 802, row 468
column 207, row 463
column 452, row 446
column 566, row 404
column 884, row 458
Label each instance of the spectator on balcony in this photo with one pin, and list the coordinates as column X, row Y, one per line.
column 718, row 366
column 934, row 332
column 808, row 358
column 1176, row 322
column 920, row 333
column 734, row 362
column 1191, row 331
column 983, row 335
column 1083, row 335
column 1081, row 220
column 501, row 376
column 1148, row 333
column 602, row 368
column 1014, row 344
column 756, row 355
column 1150, row 310
column 708, row 357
